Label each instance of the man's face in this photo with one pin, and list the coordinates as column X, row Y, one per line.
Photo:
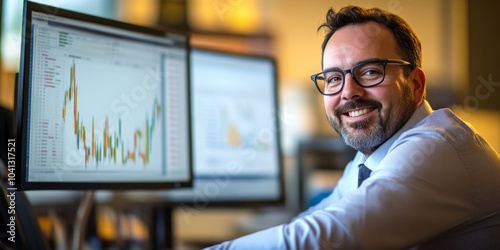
column 367, row 117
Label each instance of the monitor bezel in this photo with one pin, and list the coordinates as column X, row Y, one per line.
column 23, row 93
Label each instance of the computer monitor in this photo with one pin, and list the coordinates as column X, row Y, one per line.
column 102, row 104
column 236, row 142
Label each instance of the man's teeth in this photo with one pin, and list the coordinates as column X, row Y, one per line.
column 358, row 112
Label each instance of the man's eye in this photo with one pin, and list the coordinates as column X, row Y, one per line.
column 371, row 72
column 334, row 79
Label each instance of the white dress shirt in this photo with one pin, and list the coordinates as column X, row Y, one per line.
column 434, row 184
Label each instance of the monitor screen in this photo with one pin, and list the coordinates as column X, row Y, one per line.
column 236, row 146
column 101, row 104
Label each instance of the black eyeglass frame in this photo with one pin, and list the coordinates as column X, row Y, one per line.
column 351, row 70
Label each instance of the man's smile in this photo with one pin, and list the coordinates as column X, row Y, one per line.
column 359, row 112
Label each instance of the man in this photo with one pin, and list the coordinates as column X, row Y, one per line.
column 432, row 181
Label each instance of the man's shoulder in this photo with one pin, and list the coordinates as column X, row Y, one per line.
column 446, row 123
column 443, row 127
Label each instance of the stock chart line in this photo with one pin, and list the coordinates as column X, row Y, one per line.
column 113, row 147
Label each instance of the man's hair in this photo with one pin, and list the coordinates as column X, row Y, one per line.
column 408, row 43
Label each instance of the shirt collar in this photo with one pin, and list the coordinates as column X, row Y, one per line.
column 376, row 157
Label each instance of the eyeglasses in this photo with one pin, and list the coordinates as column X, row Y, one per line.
column 366, row 74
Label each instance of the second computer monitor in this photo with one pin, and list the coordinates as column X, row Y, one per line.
column 236, row 147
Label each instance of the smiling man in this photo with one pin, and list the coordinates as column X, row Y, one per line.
column 421, row 179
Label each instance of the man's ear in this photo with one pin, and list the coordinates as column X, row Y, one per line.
column 417, row 79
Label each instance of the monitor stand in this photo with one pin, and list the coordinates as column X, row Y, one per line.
column 82, row 218
column 161, row 229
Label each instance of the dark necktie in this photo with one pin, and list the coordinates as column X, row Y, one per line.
column 363, row 173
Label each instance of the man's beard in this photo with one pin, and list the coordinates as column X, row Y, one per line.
column 368, row 140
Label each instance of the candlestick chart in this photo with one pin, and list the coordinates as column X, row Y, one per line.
column 106, row 126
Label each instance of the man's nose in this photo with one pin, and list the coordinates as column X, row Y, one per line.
column 351, row 89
